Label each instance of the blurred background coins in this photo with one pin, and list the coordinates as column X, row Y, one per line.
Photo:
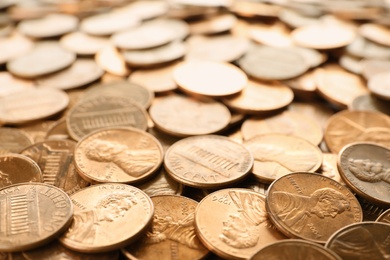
column 13, row 140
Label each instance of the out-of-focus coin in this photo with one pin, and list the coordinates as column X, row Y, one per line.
column 13, row 140
column 304, row 86
column 10, row 84
column 124, row 155
column 15, row 168
column 351, row 64
column 80, row 73
column 372, row 67
column 271, row 63
column 254, row 9
column 46, row 57
column 310, row 206
column 369, row 102
column 295, row 249
column 161, row 184
column 276, row 155
column 259, row 98
column 172, row 232
column 212, row 25
column 146, row 10
column 329, row 167
column 364, row 168
column 55, row 159
column 288, row 122
column 82, row 43
column 366, row 240
column 58, row 131
column 363, row 48
column 375, row 32
column 37, row 130
column 104, row 111
column 109, row 59
column 101, row 215
column 295, row 19
column 384, row 217
column 184, row 116
column 274, row 35
column 379, row 85
column 209, row 78
column 317, row 111
column 208, row 161
column 13, row 46
column 48, row 26
column 32, row 104
column 357, row 126
column 239, row 225
column 34, row 215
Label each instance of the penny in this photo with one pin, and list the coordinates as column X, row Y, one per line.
column 102, row 212
column 82, row 43
column 271, row 63
column 10, row 84
column 13, row 46
column 371, row 67
column 295, row 19
column 379, row 85
column 384, row 217
column 356, row 126
column 172, row 232
column 55, row 159
column 212, row 25
column 361, row 240
column 370, row 211
column 165, row 140
column 104, row 111
column 274, row 35
column 161, row 184
column 304, row 86
column 239, row 225
column 351, row 64
column 80, row 73
column 37, row 130
column 209, row 78
column 318, row 111
column 146, row 10
column 254, row 185
column 329, row 167
column 259, row 98
column 16, row 168
column 369, row 102
column 46, row 57
column 310, row 206
column 375, row 32
column 109, row 59
column 363, row 48
column 288, row 122
column 48, row 26
column 13, row 140
column 58, row 131
column 183, row 116
column 254, row 9
column 276, row 155
column 364, row 168
column 123, row 155
column 34, row 215
column 294, row 248
column 32, row 104
column 208, row 161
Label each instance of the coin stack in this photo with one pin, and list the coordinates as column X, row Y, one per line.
column 194, row 129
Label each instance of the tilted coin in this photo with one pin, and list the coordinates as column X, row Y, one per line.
column 351, row 63
column 384, row 217
column 239, row 225
column 58, row 131
column 254, row 9
column 304, row 86
column 369, row 102
column 310, row 206
column 318, row 111
column 146, row 10
column 172, row 233
column 13, row 46
column 375, row 32
column 366, row 240
column 365, row 169
column 13, row 140
column 34, row 215
column 295, row 19
column 371, row 211
column 363, row 48
column 329, row 167
column 10, row 84
column 379, row 85
column 357, row 126
column 372, row 67
column 184, row 116
column 36, row 130
column 274, row 35
column 109, row 59
column 101, row 215
column 161, row 184
column 213, row 25
column 208, row 161
column 83, row 43
column 124, row 155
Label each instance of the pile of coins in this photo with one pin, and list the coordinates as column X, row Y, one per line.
column 188, row 129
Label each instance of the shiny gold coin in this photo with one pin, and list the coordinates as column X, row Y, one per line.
column 379, row 85
column 363, row 48
column 369, row 102
column 183, row 116
column 172, row 232
column 364, row 168
column 34, row 215
column 82, row 43
column 10, row 84
column 212, row 25
column 121, row 155
column 102, row 213
column 13, row 46
column 346, row 127
column 239, row 225
column 376, row 32
column 208, row 161
column 276, row 155
column 310, row 206
column 13, row 140
column 384, row 217
column 209, row 78
column 109, row 59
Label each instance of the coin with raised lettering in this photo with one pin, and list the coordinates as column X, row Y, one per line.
column 123, row 155
column 239, row 225
column 208, row 161
column 13, row 140
column 310, row 206
column 33, row 215
column 384, row 217
column 107, row 217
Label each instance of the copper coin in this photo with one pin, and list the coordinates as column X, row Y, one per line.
column 351, row 63
column 32, row 104
column 109, row 59
column 209, row 78
column 295, row 19
column 124, row 155
column 13, row 140
column 101, row 214
column 184, row 116
column 357, row 126
column 172, row 232
column 46, row 57
column 239, row 225
column 58, row 131
column 276, row 155
column 364, row 168
column 34, row 215
column 310, row 206
column 37, row 130
column 208, row 161
column 80, row 73
column 15, row 168
column 379, row 85
column 104, row 111
column 295, row 249
column 367, row 240
column 304, row 86
column 254, row 9
column 146, row 10
column 55, row 159
column 329, row 167
column 13, row 46
column 384, row 217
column 363, row 48
column 375, row 32
column 274, row 35
column 212, row 25
column 161, row 184
column 369, row 102
column 318, row 111
column 372, row 67
column 82, row 43
column 10, row 84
